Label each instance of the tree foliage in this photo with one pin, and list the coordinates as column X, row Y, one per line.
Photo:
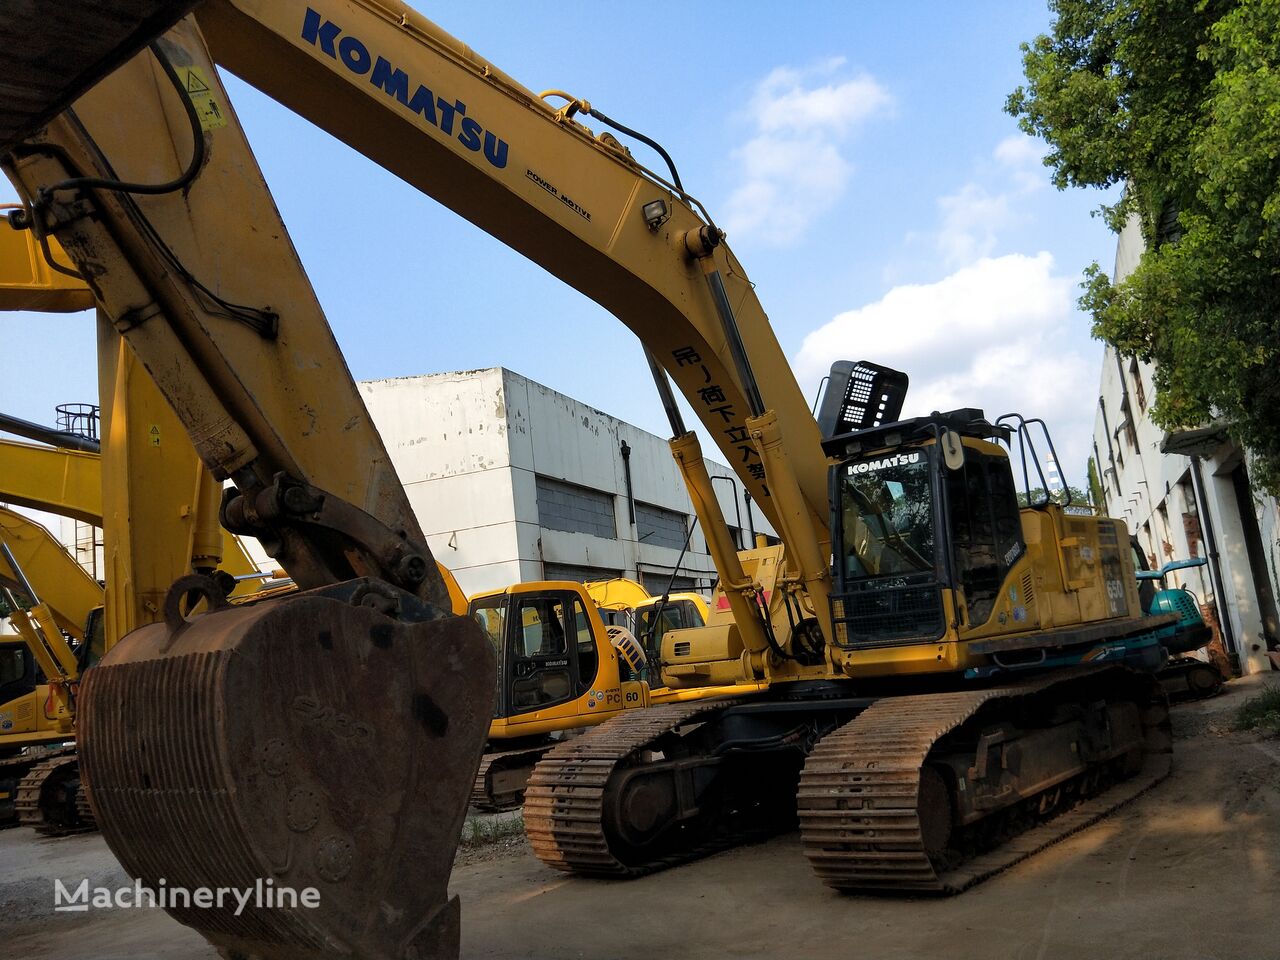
column 1180, row 101
column 1095, row 487
column 1078, row 496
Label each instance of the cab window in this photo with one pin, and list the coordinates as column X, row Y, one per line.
column 540, row 674
column 588, row 659
column 491, row 614
column 12, row 666
column 986, row 530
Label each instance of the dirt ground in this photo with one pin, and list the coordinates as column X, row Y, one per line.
column 1190, row 870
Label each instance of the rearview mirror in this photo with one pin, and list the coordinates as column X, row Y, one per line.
column 952, row 450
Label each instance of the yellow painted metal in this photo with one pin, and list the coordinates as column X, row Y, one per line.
column 54, row 656
column 43, row 714
column 534, row 176
column 619, row 593
column 27, row 282
column 615, row 696
column 457, row 599
column 66, row 597
column 69, row 483
column 541, row 182
column 159, row 507
column 60, row 582
column 65, row 482
column 251, row 405
column 237, row 401
column 794, row 518
column 586, row 709
column 738, row 589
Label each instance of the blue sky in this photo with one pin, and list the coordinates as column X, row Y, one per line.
column 858, row 154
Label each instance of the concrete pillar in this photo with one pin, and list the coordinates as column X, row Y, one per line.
column 1241, row 604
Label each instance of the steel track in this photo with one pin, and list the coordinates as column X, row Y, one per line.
column 859, row 797
column 564, row 804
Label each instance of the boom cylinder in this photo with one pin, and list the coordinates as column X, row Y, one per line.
column 793, row 515
column 737, row 585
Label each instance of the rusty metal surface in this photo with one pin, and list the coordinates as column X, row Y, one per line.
column 56, row 51
column 493, row 790
column 302, row 740
column 860, row 793
column 565, row 801
column 43, row 772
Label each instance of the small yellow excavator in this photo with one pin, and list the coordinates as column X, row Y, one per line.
column 59, row 636
column 561, row 668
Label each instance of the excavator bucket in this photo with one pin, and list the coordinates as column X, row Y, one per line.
column 310, row 752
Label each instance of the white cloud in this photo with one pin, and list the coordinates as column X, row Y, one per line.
column 793, row 168
column 973, row 216
column 997, row 334
column 1022, row 159
column 971, row 219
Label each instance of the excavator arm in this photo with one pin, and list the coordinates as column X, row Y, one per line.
column 167, row 219
column 69, row 592
column 426, row 107
column 347, row 719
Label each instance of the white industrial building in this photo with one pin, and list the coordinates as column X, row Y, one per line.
column 512, row 481
column 1187, row 494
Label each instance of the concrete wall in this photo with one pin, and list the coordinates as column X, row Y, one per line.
column 556, row 436
column 469, row 446
column 1153, row 492
column 447, row 437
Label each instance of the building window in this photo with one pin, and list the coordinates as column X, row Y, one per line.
column 659, row 527
column 657, row 583
column 565, row 506
column 1139, row 390
column 569, row 571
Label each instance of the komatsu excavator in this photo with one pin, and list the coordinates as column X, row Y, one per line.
column 943, row 683
column 563, row 668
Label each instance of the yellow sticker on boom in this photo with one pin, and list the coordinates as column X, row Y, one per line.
column 196, row 82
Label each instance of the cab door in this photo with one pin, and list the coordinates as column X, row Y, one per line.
column 540, row 672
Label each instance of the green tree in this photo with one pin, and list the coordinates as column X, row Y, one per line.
column 1180, row 101
column 1095, row 487
column 1078, row 497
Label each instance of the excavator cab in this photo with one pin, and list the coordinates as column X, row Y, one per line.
column 19, row 675
column 678, row 611
column 921, row 507
column 555, row 661
column 935, row 558
column 560, row 668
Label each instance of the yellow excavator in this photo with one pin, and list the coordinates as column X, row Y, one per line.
column 944, row 683
column 62, row 475
column 625, row 603
column 59, row 636
column 562, row 667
